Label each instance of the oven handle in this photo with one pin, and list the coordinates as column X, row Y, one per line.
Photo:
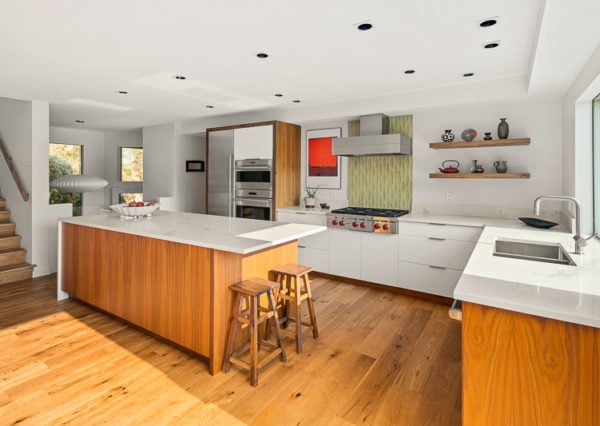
column 253, row 168
column 254, row 202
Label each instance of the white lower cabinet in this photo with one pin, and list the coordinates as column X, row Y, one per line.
column 378, row 258
column 424, row 257
column 428, row 278
column 431, row 257
column 344, row 253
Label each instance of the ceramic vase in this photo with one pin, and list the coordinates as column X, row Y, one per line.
column 448, row 136
column 500, row 166
column 474, row 166
column 503, row 129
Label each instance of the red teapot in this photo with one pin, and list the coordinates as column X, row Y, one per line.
column 450, row 166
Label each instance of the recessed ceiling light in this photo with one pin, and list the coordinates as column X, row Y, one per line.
column 468, row 74
column 122, row 92
column 485, row 23
column 296, row 101
column 209, row 106
column 409, row 71
column 491, row 45
column 365, row 26
column 279, row 95
column 79, row 121
column 262, row 55
column 180, row 77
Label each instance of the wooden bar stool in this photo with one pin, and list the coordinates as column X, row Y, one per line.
column 249, row 291
column 295, row 287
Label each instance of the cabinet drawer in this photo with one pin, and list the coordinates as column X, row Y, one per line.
column 300, row 217
column 317, row 259
column 434, row 251
column 427, row 279
column 319, row 240
column 451, row 232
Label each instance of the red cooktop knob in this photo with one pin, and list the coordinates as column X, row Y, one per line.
column 342, row 223
column 385, row 227
column 363, row 225
column 354, row 224
column 334, row 222
column 376, row 226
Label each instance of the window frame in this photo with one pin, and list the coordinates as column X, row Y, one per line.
column 596, row 164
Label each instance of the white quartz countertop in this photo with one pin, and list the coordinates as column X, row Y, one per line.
column 567, row 293
column 215, row 232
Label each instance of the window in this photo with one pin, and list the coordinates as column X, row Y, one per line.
column 132, row 164
column 596, row 162
column 65, row 160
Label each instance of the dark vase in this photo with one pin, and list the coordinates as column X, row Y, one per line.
column 503, row 129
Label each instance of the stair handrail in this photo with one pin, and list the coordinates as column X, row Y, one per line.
column 14, row 171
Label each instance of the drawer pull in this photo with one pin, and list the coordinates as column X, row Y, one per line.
column 436, row 267
column 300, row 213
column 438, row 224
column 299, row 246
column 437, row 239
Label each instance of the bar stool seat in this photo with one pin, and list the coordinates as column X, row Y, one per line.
column 295, row 287
column 247, row 293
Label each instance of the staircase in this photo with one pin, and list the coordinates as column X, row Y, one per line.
column 13, row 266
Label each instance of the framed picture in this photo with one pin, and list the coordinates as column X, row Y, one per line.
column 323, row 168
column 194, row 166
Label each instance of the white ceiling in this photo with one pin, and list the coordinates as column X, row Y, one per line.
column 76, row 54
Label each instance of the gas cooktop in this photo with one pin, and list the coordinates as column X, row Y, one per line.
column 365, row 219
column 366, row 211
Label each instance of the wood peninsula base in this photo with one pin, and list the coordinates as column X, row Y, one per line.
column 177, row 291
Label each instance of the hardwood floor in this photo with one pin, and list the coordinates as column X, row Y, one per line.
column 381, row 359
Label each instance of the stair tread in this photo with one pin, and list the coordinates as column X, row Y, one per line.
column 23, row 265
column 11, row 250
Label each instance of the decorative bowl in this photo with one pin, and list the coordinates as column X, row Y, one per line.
column 538, row 223
column 468, row 135
column 125, row 210
column 324, row 206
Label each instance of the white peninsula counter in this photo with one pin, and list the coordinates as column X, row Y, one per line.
column 170, row 273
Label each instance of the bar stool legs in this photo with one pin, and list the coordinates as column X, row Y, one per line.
column 295, row 287
column 249, row 291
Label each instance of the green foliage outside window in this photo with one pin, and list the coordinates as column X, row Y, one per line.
column 65, row 160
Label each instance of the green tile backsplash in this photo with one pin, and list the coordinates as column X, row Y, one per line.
column 383, row 181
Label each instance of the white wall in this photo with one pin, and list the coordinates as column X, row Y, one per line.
column 189, row 186
column 93, row 160
column 540, row 121
column 16, row 131
column 112, row 142
column 577, row 137
column 159, row 161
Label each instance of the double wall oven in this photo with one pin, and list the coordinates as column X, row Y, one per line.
column 254, row 189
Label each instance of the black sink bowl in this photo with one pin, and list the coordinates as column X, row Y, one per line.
column 538, row 223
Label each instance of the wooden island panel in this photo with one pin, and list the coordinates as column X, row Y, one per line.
column 520, row 369
column 177, row 291
column 158, row 285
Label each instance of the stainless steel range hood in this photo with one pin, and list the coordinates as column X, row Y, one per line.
column 373, row 140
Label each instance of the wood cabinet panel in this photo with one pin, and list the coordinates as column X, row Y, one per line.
column 158, row 285
column 287, row 164
column 520, row 369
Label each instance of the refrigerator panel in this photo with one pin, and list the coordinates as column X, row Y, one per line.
column 220, row 173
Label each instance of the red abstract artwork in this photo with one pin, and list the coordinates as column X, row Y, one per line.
column 320, row 160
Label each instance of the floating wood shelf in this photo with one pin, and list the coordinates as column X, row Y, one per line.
column 479, row 175
column 480, row 144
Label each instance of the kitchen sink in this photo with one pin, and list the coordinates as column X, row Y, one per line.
column 532, row 250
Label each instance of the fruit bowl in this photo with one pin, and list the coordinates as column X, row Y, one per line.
column 125, row 210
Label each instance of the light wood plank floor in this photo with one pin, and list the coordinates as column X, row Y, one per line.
column 382, row 359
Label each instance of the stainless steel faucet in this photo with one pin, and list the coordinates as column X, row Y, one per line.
column 580, row 242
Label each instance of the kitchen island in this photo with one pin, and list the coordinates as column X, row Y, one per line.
column 530, row 334
column 170, row 273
